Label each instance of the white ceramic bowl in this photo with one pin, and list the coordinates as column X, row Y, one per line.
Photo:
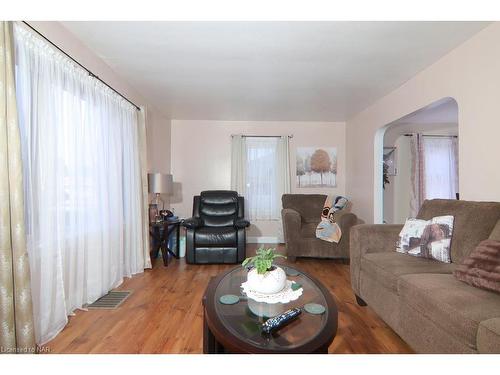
column 268, row 283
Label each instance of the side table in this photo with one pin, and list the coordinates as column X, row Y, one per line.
column 161, row 233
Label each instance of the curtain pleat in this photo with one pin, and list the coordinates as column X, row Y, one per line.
column 144, row 180
column 417, row 174
column 238, row 164
column 16, row 313
column 283, row 176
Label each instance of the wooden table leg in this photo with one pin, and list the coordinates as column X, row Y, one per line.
column 209, row 343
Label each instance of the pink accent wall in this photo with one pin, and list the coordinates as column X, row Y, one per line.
column 201, row 158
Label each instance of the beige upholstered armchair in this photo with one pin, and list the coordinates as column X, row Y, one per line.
column 301, row 214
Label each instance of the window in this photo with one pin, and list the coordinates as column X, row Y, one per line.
column 82, row 183
column 261, row 189
column 441, row 167
column 260, row 171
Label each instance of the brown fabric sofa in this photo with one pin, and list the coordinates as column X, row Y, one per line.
column 420, row 298
column 301, row 214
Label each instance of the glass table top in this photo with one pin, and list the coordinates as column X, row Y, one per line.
column 244, row 318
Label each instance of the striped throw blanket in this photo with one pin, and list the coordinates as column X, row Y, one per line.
column 328, row 229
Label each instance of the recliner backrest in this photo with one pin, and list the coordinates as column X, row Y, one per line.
column 218, row 208
column 309, row 206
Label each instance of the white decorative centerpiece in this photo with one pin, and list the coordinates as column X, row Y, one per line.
column 264, row 277
column 266, row 287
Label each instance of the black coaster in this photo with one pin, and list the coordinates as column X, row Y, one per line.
column 229, row 299
column 314, row 308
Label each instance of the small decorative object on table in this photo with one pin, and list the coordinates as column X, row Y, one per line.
column 265, row 277
column 266, row 287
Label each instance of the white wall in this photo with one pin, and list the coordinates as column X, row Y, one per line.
column 470, row 74
column 397, row 192
column 201, row 158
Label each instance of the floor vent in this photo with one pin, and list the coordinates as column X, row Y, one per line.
column 111, row 301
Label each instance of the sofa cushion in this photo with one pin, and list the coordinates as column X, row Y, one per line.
column 308, row 230
column 488, row 336
column 495, row 233
column 474, row 222
column 216, row 237
column 456, row 307
column 388, row 266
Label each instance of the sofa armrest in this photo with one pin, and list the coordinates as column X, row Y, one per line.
column 292, row 223
column 192, row 223
column 370, row 238
column 488, row 336
column 345, row 220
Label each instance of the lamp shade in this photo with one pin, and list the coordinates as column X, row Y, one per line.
column 160, row 183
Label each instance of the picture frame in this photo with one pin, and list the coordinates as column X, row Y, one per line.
column 316, row 167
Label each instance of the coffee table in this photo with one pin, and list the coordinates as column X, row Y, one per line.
column 236, row 329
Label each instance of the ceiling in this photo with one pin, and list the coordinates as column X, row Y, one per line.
column 440, row 117
column 281, row 71
column 441, row 112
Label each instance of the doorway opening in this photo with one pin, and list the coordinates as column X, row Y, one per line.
column 419, row 160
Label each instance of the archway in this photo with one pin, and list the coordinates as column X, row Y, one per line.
column 439, row 119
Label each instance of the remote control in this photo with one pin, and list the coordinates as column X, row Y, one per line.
column 280, row 320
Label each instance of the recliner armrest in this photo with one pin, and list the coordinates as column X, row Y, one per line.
column 192, row 223
column 241, row 223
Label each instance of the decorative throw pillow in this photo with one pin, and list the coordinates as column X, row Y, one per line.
column 482, row 267
column 427, row 238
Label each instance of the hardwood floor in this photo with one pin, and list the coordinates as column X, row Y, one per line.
column 164, row 314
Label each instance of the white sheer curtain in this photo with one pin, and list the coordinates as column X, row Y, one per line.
column 238, row 164
column 441, row 167
column 82, row 179
column 283, row 177
column 417, row 174
column 260, row 170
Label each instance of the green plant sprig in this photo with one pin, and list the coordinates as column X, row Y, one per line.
column 263, row 261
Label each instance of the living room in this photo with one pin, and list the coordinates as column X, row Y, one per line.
column 251, row 185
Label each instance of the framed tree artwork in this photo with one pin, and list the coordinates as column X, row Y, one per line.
column 316, row 167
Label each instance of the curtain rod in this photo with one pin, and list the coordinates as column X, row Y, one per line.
column 80, row 65
column 434, row 135
column 261, row 136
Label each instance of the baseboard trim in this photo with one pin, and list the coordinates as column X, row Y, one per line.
column 262, row 240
